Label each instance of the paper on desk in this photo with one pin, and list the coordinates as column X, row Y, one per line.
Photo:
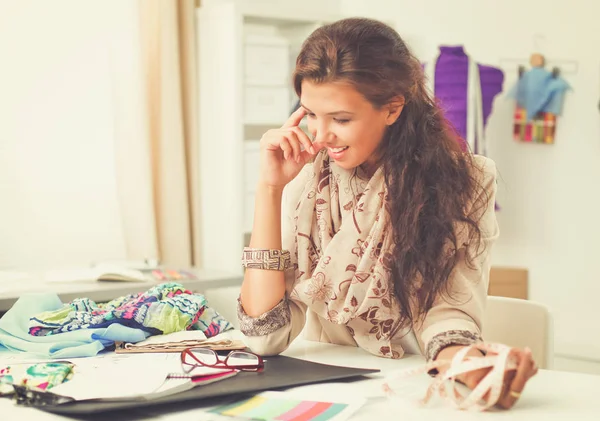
column 118, row 377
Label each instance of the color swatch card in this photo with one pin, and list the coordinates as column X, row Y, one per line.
column 279, row 406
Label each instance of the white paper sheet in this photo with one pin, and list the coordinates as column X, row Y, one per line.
column 116, row 376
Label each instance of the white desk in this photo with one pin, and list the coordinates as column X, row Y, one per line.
column 551, row 395
column 106, row 291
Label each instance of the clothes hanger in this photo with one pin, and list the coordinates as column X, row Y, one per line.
column 537, row 59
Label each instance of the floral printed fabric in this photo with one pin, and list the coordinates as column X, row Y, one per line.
column 41, row 376
column 165, row 308
column 342, row 255
column 266, row 323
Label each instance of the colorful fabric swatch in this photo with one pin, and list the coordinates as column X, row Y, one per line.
column 267, row 408
column 540, row 129
column 163, row 309
column 41, row 376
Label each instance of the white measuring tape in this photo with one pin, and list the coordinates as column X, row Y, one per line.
column 497, row 358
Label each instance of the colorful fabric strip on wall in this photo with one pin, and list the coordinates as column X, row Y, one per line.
column 540, row 129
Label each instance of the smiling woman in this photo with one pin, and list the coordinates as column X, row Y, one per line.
column 343, row 121
column 375, row 228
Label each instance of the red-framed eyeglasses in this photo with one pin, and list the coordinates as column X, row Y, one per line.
column 238, row 360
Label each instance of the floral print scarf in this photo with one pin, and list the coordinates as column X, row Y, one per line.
column 342, row 254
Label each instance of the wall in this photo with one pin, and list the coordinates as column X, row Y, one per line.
column 548, row 194
column 68, row 95
column 291, row 7
column 57, row 129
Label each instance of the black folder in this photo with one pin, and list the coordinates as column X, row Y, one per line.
column 280, row 372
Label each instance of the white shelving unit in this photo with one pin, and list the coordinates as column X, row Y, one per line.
column 246, row 58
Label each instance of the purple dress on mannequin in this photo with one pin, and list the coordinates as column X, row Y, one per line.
column 451, row 74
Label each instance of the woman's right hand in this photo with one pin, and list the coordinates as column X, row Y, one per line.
column 281, row 157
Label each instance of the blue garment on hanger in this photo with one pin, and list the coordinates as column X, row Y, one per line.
column 539, row 91
column 14, row 332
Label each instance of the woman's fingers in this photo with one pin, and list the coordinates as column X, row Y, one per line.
column 472, row 378
column 292, row 138
column 291, row 142
column 525, row 370
column 286, row 148
column 295, row 118
column 303, row 139
column 280, row 140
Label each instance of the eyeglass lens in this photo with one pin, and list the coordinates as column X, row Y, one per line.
column 209, row 357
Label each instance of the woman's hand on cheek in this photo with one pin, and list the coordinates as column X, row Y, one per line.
column 285, row 151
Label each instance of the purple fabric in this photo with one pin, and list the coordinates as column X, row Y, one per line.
column 451, row 74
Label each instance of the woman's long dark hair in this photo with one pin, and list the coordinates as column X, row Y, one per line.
column 432, row 185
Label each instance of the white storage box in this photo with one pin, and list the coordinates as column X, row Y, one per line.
column 266, row 105
column 267, row 60
column 267, row 65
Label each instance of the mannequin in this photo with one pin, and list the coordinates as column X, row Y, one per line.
column 451, row 82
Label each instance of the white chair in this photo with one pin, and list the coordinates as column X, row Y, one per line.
column 520, row 323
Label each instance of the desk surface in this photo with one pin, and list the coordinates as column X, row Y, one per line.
column 551, row 395
column 105, row 291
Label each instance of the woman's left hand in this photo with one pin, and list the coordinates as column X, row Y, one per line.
column 514, row 380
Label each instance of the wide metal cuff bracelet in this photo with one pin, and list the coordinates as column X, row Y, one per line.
column 265, row 259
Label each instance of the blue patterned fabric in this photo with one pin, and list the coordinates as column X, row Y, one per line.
column 14, row 332
column 83, row 328
column 163, row 309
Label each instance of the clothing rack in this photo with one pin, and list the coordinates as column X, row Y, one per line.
column 566, row 67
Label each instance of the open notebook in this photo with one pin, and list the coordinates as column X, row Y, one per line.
column 131, row 378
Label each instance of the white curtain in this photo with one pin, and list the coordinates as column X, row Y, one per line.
column 157, row 144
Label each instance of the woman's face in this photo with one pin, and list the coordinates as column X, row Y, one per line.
column 342, row 120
